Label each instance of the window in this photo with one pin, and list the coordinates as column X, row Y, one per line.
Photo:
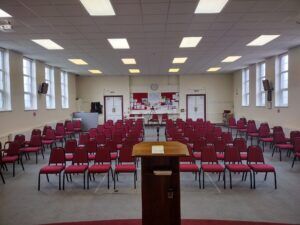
column 29, row 79
column 260, row 76
column 5, row 101
column 64, row 90
column 245, row 87
column 282, row 81
column 49, row 79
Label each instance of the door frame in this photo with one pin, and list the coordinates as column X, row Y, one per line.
column 107, row 96
column 187, row 109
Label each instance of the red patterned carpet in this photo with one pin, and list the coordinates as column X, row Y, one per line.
column 184, row 222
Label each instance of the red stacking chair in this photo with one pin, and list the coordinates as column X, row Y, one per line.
column 77, row 126
column 257, row 164
column 280, row 143
column 112, row 146
column 20, row 138
column 264, row 135
column 210, row 164
column 164, row 118
column 210, row 138
column 241, row 127
column 70, row 147
column 56, row 165
column 296, row 149
column 188, row 165
column 227, row 137
column 80, row 164
column 126, row 164
column 231, row 124
column 220, row 145
column 198, row 145
column 34, row 146
column 101, row 139
column 60, row 133
column 49, row 139
column 93, row 133
column 108, row 134
column 217, row 132
column 233, row 163
column 91, row 147
column 293, row 135
column 83, row 138
column 12, row 155
column 36, row 132
column 241, row 145
column 69, row 129
column 252, row 131
column 154, row 119
column 102, row 164
column 1, row 164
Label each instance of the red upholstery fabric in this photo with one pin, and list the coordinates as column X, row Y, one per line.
column 76, row 169
column 69, row 157
column 9, row 159
column 52, row 169
column 197, row 155
column 92, row 156
column 269, row 139
column 212, row 168
column 238, row 167
column 220, row 156
column 113, row 155
column 284, row 146
column 244, row 156
column 262, row 168
column 253, row 134
column 47, row 142
column 101, row 168
column 125, row 168
column 30, row 149
column 188, row 168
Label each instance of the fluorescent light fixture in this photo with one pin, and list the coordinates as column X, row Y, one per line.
column 213, row 69
column 179, row 60
column 174, row 70
column 129, row 61
column 262, row 40
column 78, row 61
column 210, row 6
column 95, row 71
column 98, row 7
column 119, row 43
column 134, row 71
column 189, row 42
column 4, row 14
column 230, row 59
column 48, row 44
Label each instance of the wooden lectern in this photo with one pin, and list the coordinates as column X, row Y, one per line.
column 160, row 181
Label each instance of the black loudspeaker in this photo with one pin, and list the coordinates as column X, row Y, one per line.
column 266, row 85
column 96, row 107
column 269, row 95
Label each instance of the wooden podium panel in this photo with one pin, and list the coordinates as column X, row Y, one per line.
column 160, row 182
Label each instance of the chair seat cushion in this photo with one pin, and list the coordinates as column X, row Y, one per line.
column 233, row 127
column 238, row 167
column 220, row 156
column 244, row 155
column 188, row 168
column 76, row 169
column 113, row 155
column 119, row 146
column 197, row 155
column 52, row 169
column 59, row 137
column 262, row 167
column 100, row 168
column 77, row 129
column 266, row 139
column 253, row 134
column 9, row 159
column 212, row 168
column 47, row 142
column 69, row 156
column 91, row 156
column 30, row 149
column 69, row 132
column 242, row 129
column 284, row 146
column 123, row 168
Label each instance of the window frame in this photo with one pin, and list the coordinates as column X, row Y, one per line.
column 51, row 87
column 64, row 88
column 260, row 92
column 32, row 78
column 5, row 91
column 279, row 83
column 245, row 95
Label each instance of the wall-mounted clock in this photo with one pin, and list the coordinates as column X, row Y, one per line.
column 154, row 87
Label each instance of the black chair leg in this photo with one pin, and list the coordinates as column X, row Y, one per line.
column 88, row 180
column 254, row 184
column 224, row 179
column 47, row 177
column 39, row 181
column 266, row 176
column 13, row 169
column 230, row 180
column 84, row 180
column 275, row 180
column 64, row 181
column 294, row 161
column 59, row 181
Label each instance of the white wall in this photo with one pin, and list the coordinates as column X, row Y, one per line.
column 218, row 88
column 284, row 116
column 20, row 121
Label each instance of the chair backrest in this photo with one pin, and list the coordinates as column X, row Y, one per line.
column 209, row 155
column 154, row 117
column 112, row 146
column 240, row 124
column 293, row 135
column 93, row 132
column 264, row 130
column 232, row 155
column 77, row 124
column 255, row 154
column 80, row 156
column 60, row 129
column 100, row 139
column 227, row 137
column 91, row 146
column 165, row 116
column 57, row 156
column 103, row 155
column 279, row 138
column 35, row 141
column 36, row 132
column 217, row 131
column 251, row 127
column 240, row 144
column 219, row 145
column 125, row 155
column 277, row 129
column 20, row 138
column 13, row 148
column 231, row 121
column 50, row 134
column 69, row 126
column 70, row 145
column 46, row 127
column 297, row 144
column 84, row 138
column 210, row 137
column 199, row 144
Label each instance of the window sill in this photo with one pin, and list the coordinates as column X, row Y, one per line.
column 245, row 105
column 50, row 108
column 281, row 106
column 30, row 110
column 261, row 106
column 65, row 108
column 5, row 110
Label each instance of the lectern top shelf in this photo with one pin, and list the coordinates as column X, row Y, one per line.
column 170, row 149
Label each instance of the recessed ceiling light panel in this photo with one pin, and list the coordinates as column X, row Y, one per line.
column 210, row 6
column 189, row 42
column 179, row 60
column 119, row 43
column 129, row 61
column 95, row 71
column 213, row 69
column 230, row 59
column 48, row 44
column 78, row 61
column 4, row 14
column 98, row 7
column 174, row 70
column 134, row 71
column 262, row 40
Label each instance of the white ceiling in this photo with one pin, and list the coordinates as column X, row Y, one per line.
column 154, row 29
